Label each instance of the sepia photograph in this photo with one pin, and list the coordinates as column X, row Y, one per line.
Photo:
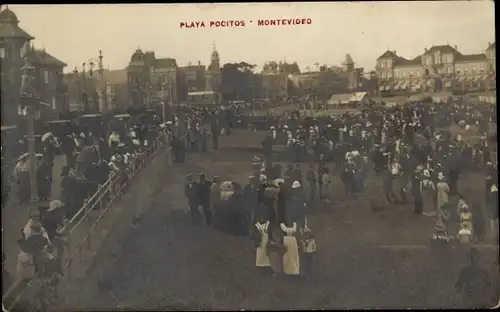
column 249, row 156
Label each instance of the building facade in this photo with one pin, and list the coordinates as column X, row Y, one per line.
column 440, row 68
column 202, row 85
column 114, row 83
column 152, row 80
column 48, row 71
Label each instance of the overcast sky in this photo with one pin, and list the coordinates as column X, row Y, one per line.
column 75, row 33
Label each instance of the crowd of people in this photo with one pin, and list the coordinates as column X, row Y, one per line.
column 92, row 157
column 409, row 148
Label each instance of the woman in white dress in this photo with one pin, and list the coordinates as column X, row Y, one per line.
column 262, row 260
column 291, row 264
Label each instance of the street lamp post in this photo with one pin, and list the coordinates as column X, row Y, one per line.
column 100, row 68
column 31, row 102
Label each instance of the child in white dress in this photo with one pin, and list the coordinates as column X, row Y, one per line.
column 291, row 263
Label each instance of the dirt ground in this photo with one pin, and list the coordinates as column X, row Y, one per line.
column 365, row 259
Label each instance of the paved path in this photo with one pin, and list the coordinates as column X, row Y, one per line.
column 167, row 263
column 15, row 216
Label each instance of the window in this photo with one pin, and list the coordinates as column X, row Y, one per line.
column 54, row 107
column 2, row 52
column 436, row 57
column 46, row 76
column 466, row 70
column 473, row 68
column 450, row 70
column 458, row 71
column 411, row 74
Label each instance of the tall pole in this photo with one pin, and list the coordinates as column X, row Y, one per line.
column 84, row 94
column 103, row 98
column 163, row 111
column 170, row 91
column 29, row 99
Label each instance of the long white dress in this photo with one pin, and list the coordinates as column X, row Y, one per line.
column 261, row 257
column 291, row 264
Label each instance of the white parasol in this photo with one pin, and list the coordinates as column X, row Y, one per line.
column 47, row 136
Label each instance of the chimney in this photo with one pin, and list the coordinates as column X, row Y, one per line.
column 394, row 51
column 456, row 47
column 425, row 49
column 199, row 63
column 489, row 43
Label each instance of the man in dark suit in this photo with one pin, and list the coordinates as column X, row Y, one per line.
column 203, row 195
column 190, row 191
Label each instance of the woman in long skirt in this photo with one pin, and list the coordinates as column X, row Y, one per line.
column 262, row 261
column 429, row 194
column 22, row 176
column 291, row 263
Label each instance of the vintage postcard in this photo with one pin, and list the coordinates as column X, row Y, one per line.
column 249, row 156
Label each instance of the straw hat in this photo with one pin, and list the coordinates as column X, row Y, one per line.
column 279, row 181
column 54, row 205
column 296, row 184
column 439, row 227
column 35, row 225
column 23, row 156
column 262, row 178
column 441, row 176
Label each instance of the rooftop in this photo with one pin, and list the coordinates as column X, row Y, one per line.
column 44, row 58
column 443, row 49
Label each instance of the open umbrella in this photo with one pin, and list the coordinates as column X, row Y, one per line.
column 47, row 136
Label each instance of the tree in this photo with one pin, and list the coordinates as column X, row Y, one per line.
column 238, row 81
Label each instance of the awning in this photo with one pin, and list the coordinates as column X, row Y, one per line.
column 388, row 87
column 447, row 84
column 404, row 86
column 479, row 78
column 461, row 79
column 429, row 83
column 418, row 85
column 381, row 88
column 397, row 86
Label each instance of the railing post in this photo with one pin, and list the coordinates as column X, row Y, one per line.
column 65, row 246
column 87, row 207
column 101, row 196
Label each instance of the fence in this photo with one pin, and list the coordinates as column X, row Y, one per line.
column 78, row 232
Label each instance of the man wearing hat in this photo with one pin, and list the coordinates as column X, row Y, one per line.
column 190, row 191
column 296, row 206
column 44, row 178
column 204, row 192
column 251, row 197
